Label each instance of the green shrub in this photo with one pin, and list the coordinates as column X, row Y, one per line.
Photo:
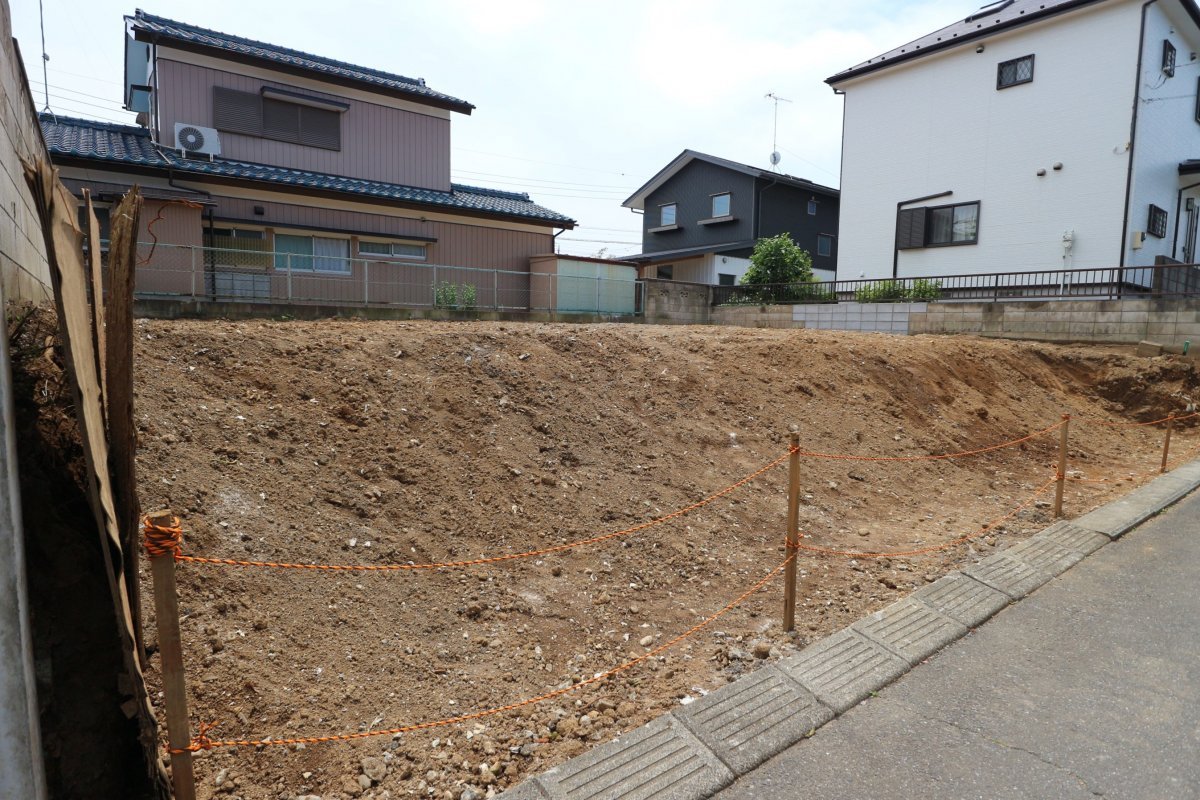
column 777, row 259
column 925, row 290
column 466, row 295
column 447, row 295
column 881, row 292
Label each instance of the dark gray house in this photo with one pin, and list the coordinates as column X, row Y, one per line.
column 703, row 214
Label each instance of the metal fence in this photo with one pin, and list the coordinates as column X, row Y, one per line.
column 1108, row 283
column 167, row 271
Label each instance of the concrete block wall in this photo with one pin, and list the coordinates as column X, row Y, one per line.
column 756, row 317
column 1169, row 322
column 24, row 272
column 677, row 303
column 850, row 316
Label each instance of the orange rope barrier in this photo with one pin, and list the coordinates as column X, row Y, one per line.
column 838, row 457
column 933, row 548
column 163, row 540
column 1139, row 475
column 494, row 559
column 202, row 742
column 1106, row 424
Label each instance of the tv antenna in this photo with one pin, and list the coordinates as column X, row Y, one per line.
column 775, row 157
column 45, row 57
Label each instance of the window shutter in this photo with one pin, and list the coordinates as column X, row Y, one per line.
column 320, row 128
column 237, row 112
column 910, row 228
column 281, row 120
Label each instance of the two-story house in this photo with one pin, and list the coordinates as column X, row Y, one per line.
column 703, row 214
column 1031, row 135
column 269, row 172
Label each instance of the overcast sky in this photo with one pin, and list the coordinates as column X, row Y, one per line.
column 577, row 103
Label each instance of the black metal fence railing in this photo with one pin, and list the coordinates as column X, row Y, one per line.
column 1108, row 283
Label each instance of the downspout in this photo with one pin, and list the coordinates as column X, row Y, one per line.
column 754, row 234
column 1137, row 99
column 554, row 241
column 1178, row 208
column 895, row 242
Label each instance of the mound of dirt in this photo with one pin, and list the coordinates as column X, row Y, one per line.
column 386, row 442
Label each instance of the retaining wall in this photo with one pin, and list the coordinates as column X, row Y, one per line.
column 24, row 271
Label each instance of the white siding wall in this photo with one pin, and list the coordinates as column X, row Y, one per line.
column 1167, row 131
column 939, row 124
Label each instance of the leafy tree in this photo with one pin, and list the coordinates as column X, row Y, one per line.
column 778, row 259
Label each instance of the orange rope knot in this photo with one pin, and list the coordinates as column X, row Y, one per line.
column 163, row 540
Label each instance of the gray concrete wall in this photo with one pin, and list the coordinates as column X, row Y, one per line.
column 756, row 317
column 24, row 273
column 1167, row 322
column 677, row 303
column 879, row 317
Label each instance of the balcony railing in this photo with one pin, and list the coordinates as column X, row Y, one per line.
column 1109, row 283
column 167, row 271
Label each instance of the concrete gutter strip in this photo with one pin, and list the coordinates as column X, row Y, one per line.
column 703, row 747
column 21, row 771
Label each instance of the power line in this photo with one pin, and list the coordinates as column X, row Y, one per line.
column 73, row 91
column 86, row 77
column 537, row 161
column 622, row 187
column 74, row 101
column 597, row 241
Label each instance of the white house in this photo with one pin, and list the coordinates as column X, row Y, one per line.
column 1032, row 135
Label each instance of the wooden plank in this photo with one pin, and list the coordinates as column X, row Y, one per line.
column 69, row 278
column 118, row 360
column 94, row 267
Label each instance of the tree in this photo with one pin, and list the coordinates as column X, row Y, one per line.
column 778, row 259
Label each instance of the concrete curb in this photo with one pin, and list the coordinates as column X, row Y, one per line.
column 698, row 749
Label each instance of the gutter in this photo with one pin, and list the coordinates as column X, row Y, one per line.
column 895, row 244
column 1137, row 99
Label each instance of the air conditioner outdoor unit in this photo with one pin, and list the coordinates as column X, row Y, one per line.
column 197, row 139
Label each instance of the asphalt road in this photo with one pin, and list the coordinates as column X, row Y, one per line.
column 1089, row 687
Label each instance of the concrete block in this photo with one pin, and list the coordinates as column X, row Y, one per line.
column 1073, row 537
column 1141, row 317
column 525, row 790
column 661, row 760
column 1119, row 516
column 844, row 668
column 1155, row 328
column 962, row 598
column 1044, row 555
column 910, row 629
column 752, row 719
column 1149, row 349
column 1015, row 578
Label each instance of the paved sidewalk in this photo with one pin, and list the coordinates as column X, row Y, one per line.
column 1089, row 687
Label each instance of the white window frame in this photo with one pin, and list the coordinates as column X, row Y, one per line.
column 728, row 204
column 314, row 259
column 391, row 250
column 662, row 214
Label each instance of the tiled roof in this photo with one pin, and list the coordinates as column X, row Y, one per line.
column 68, row 137
column 638, row 198
column 156, row 28
column 989, row 19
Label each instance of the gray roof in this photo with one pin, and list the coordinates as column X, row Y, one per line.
column 688, row 252
column 988, row 20
column 152, row 28
column 130, row 146
column 638, row 198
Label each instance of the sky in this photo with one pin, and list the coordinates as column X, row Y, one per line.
column 577, row 103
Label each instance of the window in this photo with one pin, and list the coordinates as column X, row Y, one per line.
column 1157, row 224
column 316, row 253
column 101, row 220
column 812, row 208
column 1168, row 59
column 666, row 272
column 666, row 214
column 236, row 247
column 937, row 226
column 726, row 280
column 279, row 115
column 395, row 249
column 1015, row 72
column 720, row 205
column 1198, row 100
column 824, row 245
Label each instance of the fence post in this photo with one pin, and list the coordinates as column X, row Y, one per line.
column 193, row 250
column 434, row 301
column 793, row 535
column 1167, row 441
column 170, row 649
column 366, row 282
column 996, row 288
column 1062, row 465
column 289, row 276
column 496, row 289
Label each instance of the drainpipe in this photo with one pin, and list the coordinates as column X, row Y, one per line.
column 895, row 244
column 554, row 241
column 758, row 210
column 1137, row 99
column 1178, row 209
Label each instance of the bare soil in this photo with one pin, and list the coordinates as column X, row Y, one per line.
column 379, row 442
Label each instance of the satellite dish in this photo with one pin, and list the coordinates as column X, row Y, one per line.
column 776, row 158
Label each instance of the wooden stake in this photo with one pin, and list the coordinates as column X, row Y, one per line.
column 793, row 536
column 1062, row 465
column 1167, row 441
column 170, row 649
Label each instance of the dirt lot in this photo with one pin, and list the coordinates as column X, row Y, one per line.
column 378, row 443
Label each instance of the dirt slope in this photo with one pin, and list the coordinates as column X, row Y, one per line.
column 376, row 443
